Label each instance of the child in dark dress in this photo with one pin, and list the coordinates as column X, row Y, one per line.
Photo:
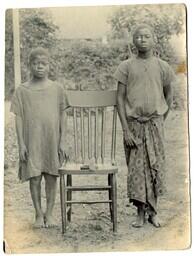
column 39, row 106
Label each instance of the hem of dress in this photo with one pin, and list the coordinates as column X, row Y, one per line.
column 22, row 180
column 134, row 200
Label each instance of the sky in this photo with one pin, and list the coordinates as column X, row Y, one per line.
column 82, row 22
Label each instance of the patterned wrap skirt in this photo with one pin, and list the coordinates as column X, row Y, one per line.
column 146, row 162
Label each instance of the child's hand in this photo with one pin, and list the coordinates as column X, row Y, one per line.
column 62, row 153
column 23, row 153
column 129, row 138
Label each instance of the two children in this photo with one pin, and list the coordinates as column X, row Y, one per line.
column 39, row 106
column 144, row 99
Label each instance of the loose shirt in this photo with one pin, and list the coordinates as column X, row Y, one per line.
column 145, row 80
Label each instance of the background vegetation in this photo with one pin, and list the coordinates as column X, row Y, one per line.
column 90, row 64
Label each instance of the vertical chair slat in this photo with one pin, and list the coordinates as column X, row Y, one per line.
column 103, row 134
column 115, row 129
column 82, row 137
column 96, row 135
column 89, row 134
column 75, row 134
column 113, row 145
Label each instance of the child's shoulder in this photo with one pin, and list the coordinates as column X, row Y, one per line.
column 58, row 85
column 162, row 63
column 22, row 87
column 128, row 61
column 125, row 64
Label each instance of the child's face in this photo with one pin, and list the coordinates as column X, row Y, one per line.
column 143, row 40
column 39, row 66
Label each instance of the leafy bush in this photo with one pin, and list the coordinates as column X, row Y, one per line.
column 86, row 64
column 89, row 65
column 166, row 20
column 9, row 64
column 36, row 29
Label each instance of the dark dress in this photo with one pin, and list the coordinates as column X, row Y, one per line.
column 40, row 110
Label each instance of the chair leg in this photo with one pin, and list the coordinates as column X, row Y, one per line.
column 114, row 194
column 65, row 206
column 110, row 196
column 69, row 196
column 62, row 199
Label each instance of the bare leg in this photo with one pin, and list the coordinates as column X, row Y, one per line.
column 35, row 190
column 140, row 217
column 50, row 188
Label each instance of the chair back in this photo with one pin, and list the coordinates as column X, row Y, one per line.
column 94, row 120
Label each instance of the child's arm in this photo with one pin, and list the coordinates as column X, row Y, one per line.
column 128, row 136
column 168, row 94
column 23, row 154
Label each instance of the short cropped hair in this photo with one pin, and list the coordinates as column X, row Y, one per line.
column 36, row 52
column 142, row 26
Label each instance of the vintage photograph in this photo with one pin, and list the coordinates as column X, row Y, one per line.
column 96, row 145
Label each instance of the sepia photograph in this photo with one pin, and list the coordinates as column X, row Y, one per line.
column 96, row 134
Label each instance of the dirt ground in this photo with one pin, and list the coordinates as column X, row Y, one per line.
column 91, row 229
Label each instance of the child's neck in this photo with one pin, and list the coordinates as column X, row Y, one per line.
column 39, row 80
column 145, row 55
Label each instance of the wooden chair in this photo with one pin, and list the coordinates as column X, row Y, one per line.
column 89, row 117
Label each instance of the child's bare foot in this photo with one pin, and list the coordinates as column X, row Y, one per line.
column 49, row 222
column 153, row 219
column 39, row 222
column 139, row 222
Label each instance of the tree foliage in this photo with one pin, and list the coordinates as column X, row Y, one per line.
column 88, row 64
column 9, row 60
column 36, row 29
column 166, row 21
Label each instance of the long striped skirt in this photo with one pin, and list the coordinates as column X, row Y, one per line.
column 146, row 162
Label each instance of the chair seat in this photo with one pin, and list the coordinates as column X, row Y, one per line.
column 72, row 168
